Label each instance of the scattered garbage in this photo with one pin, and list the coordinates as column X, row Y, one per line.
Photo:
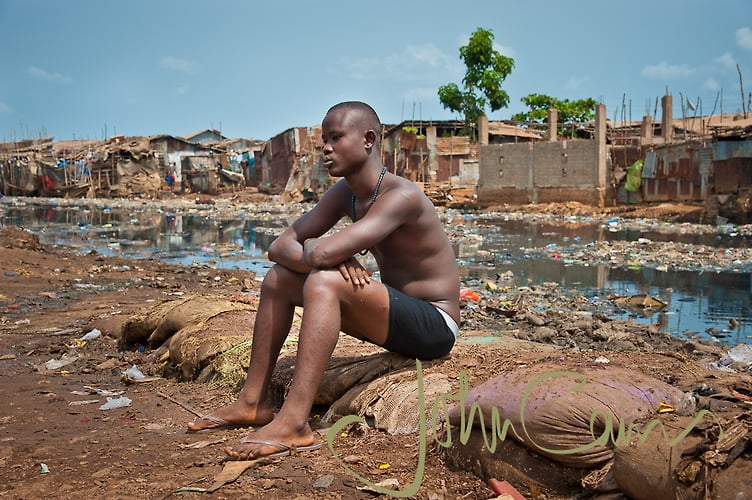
column 133, row 373
column 488, row 243
column 387, row 484
column 44, row 469
column 504, row 490
column 642, row 303
column 323, row 482
column 65, row 360
column 93, row 334
column 83, row 402
column 100, row 392
column 469, row 294
column 113, row 403
column 719, row 366
column 741, row 354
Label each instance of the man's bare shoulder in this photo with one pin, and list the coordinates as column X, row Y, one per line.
column 410, row 195
column 338, row 195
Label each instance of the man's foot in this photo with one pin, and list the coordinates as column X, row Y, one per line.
column 266, row 443
column 211, row 423
column 266, row 448
column 231, row 417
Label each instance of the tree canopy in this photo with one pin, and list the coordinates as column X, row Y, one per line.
column 487, row 69
column 569, row 113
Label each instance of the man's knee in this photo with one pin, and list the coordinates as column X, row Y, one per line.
column 324, row 278
column 278, row 278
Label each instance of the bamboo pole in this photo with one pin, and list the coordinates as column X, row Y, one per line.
column 741, row 88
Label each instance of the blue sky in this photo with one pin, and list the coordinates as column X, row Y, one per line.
column 252, row 69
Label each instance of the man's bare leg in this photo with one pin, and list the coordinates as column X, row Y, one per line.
column 326, row 296
column 281, row 291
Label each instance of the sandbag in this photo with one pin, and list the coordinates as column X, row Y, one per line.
column 392, row 401
column 569, row 413
column 707, row 464
column 191, row 332
column 342, row 374
column 194, row 348
column 527, row 471
column 164, row 320
column 646, row 468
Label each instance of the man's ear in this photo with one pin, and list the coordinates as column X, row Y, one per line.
column 370, row 139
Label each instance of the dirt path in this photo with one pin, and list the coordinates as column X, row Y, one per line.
column 57, row 442
column 53, row 417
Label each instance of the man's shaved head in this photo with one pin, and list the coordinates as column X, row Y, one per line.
column 362, row 114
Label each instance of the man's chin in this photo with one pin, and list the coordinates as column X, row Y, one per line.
column 333, row 172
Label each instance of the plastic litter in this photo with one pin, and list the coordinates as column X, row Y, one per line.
column 112, row 403
column 95, row 333
column 99, row 392
column 56, row 364
column 719, row 366
column 741, row 354
column 43, row 469
column 504, row 489
column 133, row 373
column 468, row 294
column 83, row 402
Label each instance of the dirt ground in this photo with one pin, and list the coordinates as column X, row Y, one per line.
column 57, row 442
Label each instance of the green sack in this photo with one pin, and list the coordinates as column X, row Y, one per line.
column 634, row 173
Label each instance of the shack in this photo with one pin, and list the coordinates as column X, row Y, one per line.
column 291, row 165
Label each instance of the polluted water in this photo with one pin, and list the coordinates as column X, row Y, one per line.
column 700, row 276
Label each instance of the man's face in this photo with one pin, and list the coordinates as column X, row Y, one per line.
column 344, row 142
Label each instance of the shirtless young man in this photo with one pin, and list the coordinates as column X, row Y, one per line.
column 413, row 310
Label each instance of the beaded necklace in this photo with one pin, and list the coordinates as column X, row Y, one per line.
column 373, row 200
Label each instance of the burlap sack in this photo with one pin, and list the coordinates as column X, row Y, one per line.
column 572, row 414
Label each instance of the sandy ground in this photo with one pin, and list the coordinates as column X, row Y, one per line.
column 57, row 442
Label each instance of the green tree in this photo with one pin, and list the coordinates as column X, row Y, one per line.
column 486, row 71
column 569, row 113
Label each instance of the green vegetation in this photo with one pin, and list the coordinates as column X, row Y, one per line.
column 486, row 71
column 569, row 113
column 414, row 130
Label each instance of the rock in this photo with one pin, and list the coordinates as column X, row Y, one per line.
column 542, row 334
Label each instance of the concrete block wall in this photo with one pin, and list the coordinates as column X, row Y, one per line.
column 539, row 173
column 543, row 172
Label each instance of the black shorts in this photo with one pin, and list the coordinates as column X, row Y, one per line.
column 416, row 328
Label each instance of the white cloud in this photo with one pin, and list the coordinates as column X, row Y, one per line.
column 503, row 50
column 711, row 84
column 415, row 63
column 41, row 74
column 726, row 60
column 665, row 71
column 4, row 109
column 744, row 38
column 427, row 53
column 183, row 89
column 180, row 65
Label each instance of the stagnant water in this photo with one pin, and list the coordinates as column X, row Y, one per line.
column 700, row 303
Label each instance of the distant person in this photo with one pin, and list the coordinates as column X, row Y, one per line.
column 170, row 175
column 413, row 310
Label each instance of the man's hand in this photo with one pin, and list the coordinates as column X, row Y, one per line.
column 354, row 272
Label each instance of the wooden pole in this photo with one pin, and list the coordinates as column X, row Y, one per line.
column 741, row 88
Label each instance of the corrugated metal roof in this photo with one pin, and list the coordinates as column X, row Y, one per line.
column 507, row 130
column 457, row 145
